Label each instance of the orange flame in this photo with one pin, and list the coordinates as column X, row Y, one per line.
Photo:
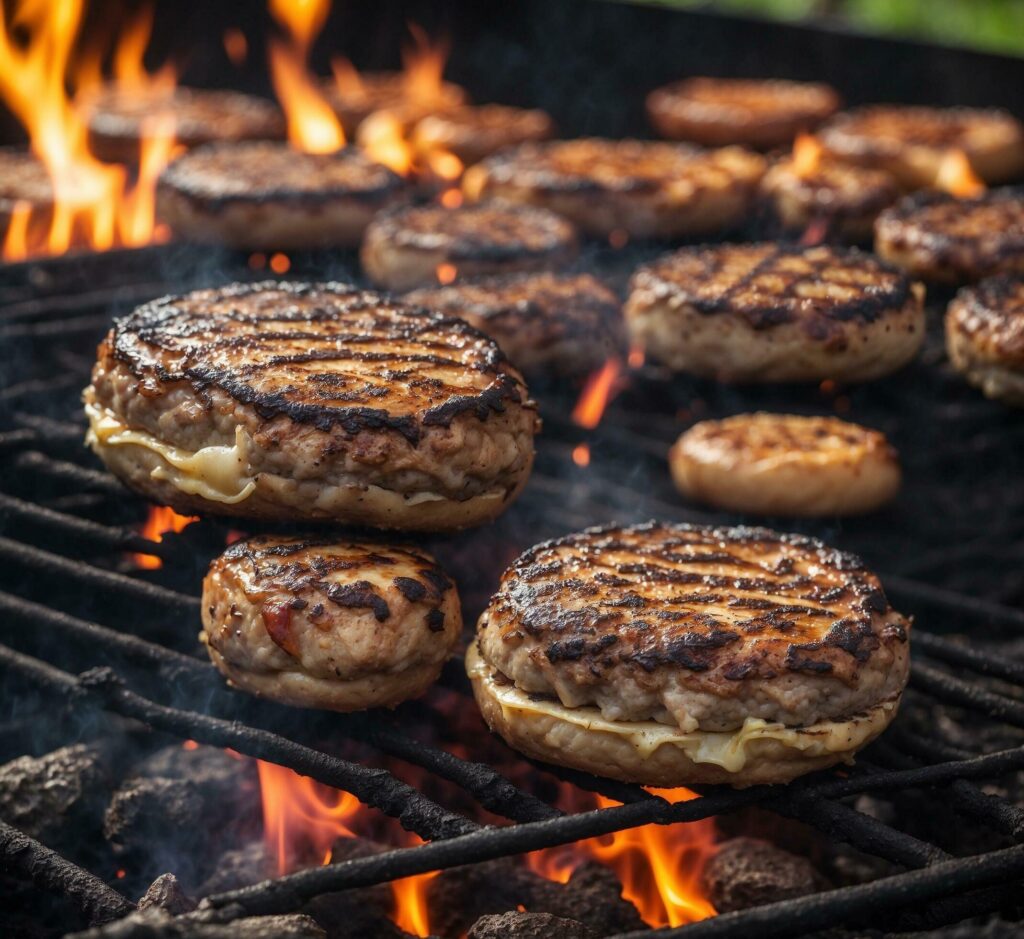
column 312, row 124
column 382, row 136
column 807, row 153
column 161, row 520
column 660, row 866
column 411, row 910
column 423, row 66
column 94, row 204
column 956, row 176
column 600, row 388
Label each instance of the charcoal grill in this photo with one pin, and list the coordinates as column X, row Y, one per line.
column 85, row 628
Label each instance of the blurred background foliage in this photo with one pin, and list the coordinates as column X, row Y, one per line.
column 992, row 25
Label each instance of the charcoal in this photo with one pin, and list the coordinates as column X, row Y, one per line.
column 154, row 923
column 165, row 892
column 239, row 867
column 223, row 775
column 57, row 798
column 747, row 872
column 529, row 926
column 459, row 897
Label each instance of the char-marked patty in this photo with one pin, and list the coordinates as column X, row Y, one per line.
column 327, row 355
column 967, row 237
column 990, row 316
column 478, row 232
column 771, row 284
column 261, row 171
column 701, row 627
column 198, row 115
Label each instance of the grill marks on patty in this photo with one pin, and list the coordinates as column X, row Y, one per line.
column 748, row 600
column 321, row 571
column 770, row 284
column 323, row 354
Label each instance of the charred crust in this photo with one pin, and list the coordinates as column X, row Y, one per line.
column 765, row 291
column 476, row 232
column 208, row 175
column 991, row 315
column 410, row 588
column 175, row 339
column 435, row 621
column 359, row 594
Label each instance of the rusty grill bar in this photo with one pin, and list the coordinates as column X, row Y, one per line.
column 74, row 521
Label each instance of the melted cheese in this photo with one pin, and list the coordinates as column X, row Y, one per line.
column 217, row 473
column 728, row 749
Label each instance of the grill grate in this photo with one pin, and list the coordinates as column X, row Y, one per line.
column 67, row 524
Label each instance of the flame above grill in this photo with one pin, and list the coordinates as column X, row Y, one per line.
column 160, row 521
column 95, row 205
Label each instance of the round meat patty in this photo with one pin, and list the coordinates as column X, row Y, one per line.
column 355, row 100
column 24, row 181
column 776, row 313
column 326, row 624
column 671, row 655
column 472, row 133
column 910, row 143
column 643, row 188
column 842, row 198
column 298, row 401
column 412, row 246
column 757, row 113
column 118, row 118
column 265, row 195
column 985, row 337
column 568, row 324
column 941, row 238
column 786, row 464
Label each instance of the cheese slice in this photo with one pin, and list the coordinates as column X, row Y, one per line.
column 218, row 473
column 728, row 749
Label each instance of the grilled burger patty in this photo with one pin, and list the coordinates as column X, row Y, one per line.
column 844, row 197
column 311, row 401
column 472, row 133
column 263, row 194
column 772, row 313
column 647, row 189
column 939, row 237
column 985, row 337
column 673, row 634
column 24, row 179
column 786, row 464
column 405, row 247
column 910, row 143
column 329, row 624
column 566, row 323
column 119, row 119
column 355, row 100
column 720, row 111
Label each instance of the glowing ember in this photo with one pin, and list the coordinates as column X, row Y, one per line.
column 446, row 273
column 190, row 745
column 121, row 874
column 451, row 198
column 236, row 46
column 815, row 232
column 956, row 177
column 161, row 520
column 94, row 203
column 601, row 386
column 581, row 454
column 280, row 263
column 636, row 357
column 660, row 866
column 807, row 152
column 618, row 238
column 312, row 124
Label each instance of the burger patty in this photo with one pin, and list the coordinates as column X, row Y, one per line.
column 404, row 247
column 570, row 323
column 264, row 194
column 472, row 133
column 322, row 623
column 721, row 111
column 119, row 118
column 323, row 401
column 699, row 628
column 939, row 237
column 647, row 189
column 911, row 142
column 985, row 337
column 354, row 97
column 768, row 312
column 24, row 178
